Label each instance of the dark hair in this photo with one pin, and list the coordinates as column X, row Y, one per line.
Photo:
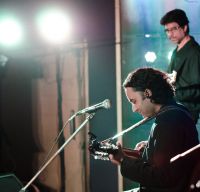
column 152, row 79
column 176, row 15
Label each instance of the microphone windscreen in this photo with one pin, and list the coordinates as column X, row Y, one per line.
column 107, row 103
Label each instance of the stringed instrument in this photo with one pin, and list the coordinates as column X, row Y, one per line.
column 101, row 150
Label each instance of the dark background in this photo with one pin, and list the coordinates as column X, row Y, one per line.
column 91, row 20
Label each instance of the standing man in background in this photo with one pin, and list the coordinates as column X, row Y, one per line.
column 185, row 62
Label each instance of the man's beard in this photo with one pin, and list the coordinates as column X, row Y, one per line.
column 180, row 40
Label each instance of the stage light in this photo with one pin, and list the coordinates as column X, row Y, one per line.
column 10, row 31
column 150, row 56
column 170, row 55
column 3, row 60
column 54, row 25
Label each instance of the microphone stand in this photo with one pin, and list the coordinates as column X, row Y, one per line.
column 59, row 150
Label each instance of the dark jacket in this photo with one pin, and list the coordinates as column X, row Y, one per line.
column 172, row 133
column 186, row 62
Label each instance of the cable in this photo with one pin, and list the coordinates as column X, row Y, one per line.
column 56, row 142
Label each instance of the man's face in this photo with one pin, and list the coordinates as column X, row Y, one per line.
column 139, row 102
column 175, row 35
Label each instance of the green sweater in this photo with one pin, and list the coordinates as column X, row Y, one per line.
column 186, row 62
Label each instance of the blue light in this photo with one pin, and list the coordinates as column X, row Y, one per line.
column 170, row 55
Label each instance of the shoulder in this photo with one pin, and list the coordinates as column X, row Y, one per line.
column 176, row 124
column 172, row 115
column 178, row 117
column 195, row 48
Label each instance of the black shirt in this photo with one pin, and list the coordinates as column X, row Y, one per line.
column 172, row 133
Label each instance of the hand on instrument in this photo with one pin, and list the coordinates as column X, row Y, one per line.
column 118, row 158
column 141, row 145
column 172, row 77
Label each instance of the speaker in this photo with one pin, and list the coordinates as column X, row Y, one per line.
column 10, row 183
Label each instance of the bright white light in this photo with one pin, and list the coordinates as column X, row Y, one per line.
column 150, row 57
column 147, row 35
column 54, row 26
column 10, row 31
column 170, row 55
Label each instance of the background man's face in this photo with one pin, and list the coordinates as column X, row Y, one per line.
column 176, row 36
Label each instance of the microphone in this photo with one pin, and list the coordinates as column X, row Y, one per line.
column 105, row 104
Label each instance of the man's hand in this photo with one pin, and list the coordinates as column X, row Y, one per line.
column 172, row 77
column 118, row 158
column 140, row 145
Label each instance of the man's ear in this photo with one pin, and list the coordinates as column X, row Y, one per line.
column 147, row 93
column 185, row 28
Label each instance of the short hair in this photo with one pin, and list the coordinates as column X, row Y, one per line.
column 176, row 15
column 152, row 79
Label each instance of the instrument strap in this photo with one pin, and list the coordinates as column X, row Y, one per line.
column 167, row 108
column 172, row 107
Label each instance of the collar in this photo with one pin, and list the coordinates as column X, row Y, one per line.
column 185, row 48
column 169, row 102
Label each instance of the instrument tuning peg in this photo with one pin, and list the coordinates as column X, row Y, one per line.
column 95, row 157
column 92, row 136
